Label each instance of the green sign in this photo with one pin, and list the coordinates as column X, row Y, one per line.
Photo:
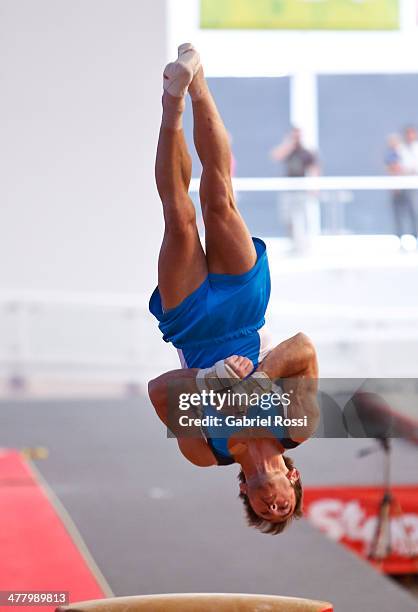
column 300, row 14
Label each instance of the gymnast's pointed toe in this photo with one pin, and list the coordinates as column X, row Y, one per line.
column 179, row 74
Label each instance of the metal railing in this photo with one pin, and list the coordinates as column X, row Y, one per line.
column 73, row 333
column 319, row 183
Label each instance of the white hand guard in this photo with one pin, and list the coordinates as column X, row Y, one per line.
column 216, row 378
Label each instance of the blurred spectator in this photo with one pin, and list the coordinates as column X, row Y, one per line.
column 402, row 158
column 409, row 150
column 393, row 154
column 298, row 160
column 302, row 208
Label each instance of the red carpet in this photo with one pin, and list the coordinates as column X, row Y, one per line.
column 37, row 551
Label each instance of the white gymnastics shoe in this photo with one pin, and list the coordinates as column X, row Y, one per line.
column 179, row 74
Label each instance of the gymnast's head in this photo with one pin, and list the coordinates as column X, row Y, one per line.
column 272, row 501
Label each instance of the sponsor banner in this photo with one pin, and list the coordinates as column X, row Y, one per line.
column 349, row 515
column 300, row 14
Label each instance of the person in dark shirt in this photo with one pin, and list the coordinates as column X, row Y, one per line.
column 402, row 199
column 302, row 207
column 298, row 160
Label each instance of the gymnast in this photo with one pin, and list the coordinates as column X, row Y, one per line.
column 211, row 303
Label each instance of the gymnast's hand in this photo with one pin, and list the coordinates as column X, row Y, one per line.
column 241, row 366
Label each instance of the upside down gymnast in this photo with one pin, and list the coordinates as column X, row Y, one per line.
column 211, row 304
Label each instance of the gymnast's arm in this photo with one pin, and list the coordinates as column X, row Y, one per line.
column 194, row 447
column 294, row 361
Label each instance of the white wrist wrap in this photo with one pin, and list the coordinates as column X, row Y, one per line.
column 258, row 383
column 219, row 376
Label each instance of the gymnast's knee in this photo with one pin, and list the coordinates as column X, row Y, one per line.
column 179, row 218
column 216, row 193
column 218, row 205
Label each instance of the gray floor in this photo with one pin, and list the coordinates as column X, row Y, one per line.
column 154, row 523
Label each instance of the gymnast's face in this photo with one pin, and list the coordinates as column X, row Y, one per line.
column 272, row 497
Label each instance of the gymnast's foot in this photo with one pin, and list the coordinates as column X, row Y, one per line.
column 179, row 74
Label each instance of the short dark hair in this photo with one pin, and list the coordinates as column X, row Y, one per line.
column 267, row 526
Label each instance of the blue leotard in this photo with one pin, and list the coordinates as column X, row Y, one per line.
column 222, row 317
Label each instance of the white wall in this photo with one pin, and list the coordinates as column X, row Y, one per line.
column 79, row 114
column 80, row 218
